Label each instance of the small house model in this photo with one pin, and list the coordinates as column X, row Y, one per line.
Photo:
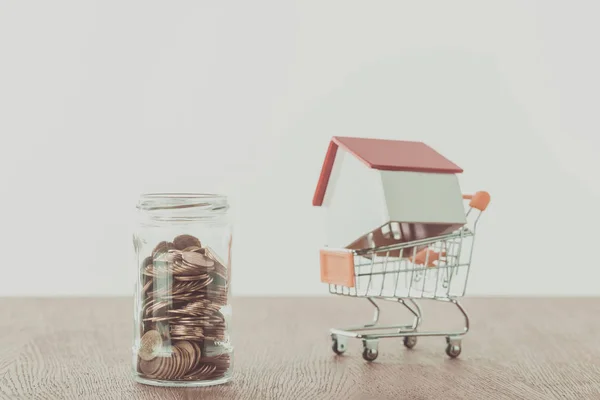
column 383, row 192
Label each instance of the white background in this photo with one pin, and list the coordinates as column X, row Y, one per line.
column 103, row 100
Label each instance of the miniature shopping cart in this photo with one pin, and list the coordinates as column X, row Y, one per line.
column 397, row 230
column 435, row 268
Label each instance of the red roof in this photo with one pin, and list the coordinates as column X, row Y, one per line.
column 381, row 154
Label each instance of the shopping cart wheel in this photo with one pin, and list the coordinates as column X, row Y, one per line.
column 410, row 341
column 370, row 354
column 370, row 351
column 338, row 346
column 453, row 348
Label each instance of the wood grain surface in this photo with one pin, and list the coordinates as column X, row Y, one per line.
column 517, row 349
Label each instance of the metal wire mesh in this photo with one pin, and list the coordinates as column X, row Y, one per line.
column 378, row 274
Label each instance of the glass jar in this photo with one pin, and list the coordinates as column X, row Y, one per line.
column 182, row 312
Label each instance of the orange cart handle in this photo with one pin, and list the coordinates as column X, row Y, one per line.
column 479, row 200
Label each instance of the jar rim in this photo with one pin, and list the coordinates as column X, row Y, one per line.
column 172, row 201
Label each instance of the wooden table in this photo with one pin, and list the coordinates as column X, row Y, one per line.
column 517, row 349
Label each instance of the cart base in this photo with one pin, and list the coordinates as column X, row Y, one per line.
column 371, row 333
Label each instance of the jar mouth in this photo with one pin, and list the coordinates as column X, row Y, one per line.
column 194, row 202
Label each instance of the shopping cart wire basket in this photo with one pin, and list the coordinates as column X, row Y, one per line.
column 434, row 268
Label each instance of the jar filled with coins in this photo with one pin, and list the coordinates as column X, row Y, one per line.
column 182, row 311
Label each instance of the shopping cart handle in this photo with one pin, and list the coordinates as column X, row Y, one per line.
column 479, row 200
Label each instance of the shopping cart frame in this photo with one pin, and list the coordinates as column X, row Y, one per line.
column 372, row 332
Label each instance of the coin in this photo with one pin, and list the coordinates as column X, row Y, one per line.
column 162, row 247
column 198, row 353
column 196, row 259
column 189, row 356
column 191, row 278
column 178, row 364
column 220, row 363
column 184, row 297
column 167, row 367
column 150, row 345
column 203, row 371
column 156, row 307
column 150, row 367
column 184, row 288
column 183, row 241
column 147, row 286
column 194, row 249
column 158, row 319
column 190, row 352
column 158, row 269
column 147, row 261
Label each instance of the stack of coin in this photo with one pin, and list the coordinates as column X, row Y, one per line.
column 185, row 286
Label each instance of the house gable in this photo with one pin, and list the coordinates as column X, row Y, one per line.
column 354, row 200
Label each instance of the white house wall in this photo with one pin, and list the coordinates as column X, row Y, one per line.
column 354, row 200
column 423, row 197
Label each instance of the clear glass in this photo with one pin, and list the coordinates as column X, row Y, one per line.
column 182, row 315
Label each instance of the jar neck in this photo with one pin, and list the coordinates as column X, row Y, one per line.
column 181, row 207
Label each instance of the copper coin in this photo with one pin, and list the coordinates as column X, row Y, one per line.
column 188, row 356
column 183, row 241
column 200, row 306
column 193, row 248
column 162, row 247
column 200, row 321
column 198, row 352
column 203, row 371
column 203, row 312
column 150, row 367
column 222, row 361
column 178, row 267
column 150, row 345
column 183, row 362
column 156, row 307
column 151, row 305
column 197, row 259
column 188, row 335
column 186, row 330
column 147, row 286
column 191, row 278
column 166, row 368
column 186, row 297
column 160, row 362
column 147, row 304
column 190, row 338
column 147, row 261
column 174, row 364
column 193, row 286
column 168, row 257
column 157, row 269
column 181, row 267
column 184, row 288
column 190, row 352
column 184, row 268
column 158, row 319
